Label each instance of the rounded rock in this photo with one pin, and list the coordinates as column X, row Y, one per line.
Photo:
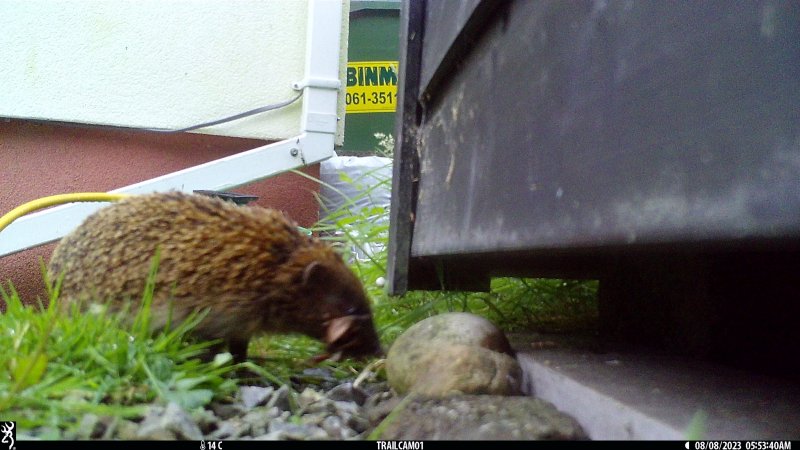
column 453, row 353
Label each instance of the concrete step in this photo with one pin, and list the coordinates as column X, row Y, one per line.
column 620, row 392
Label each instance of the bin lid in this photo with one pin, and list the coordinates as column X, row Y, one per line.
column 360, row 5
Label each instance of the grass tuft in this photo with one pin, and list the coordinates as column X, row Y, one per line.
column 64, row 362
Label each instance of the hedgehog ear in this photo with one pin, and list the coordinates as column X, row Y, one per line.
column 312, row 272
column 337, row 328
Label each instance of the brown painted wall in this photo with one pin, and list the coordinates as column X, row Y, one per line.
column 41, row 159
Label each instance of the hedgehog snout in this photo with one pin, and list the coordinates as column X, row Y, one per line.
column 353, row 336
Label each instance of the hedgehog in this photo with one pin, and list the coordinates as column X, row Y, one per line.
column 249, row 267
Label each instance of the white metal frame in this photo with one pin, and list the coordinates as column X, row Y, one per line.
column 314, row 144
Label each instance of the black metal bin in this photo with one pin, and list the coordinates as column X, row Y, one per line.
column 652, row 145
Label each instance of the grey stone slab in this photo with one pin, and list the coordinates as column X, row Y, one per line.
column 626, row 393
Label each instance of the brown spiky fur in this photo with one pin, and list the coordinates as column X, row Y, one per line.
column 250, row 266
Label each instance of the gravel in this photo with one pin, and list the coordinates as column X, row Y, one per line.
column 329, row 410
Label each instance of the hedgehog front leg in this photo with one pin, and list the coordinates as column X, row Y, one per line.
column 238, row 348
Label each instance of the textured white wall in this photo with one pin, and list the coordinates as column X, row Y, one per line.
column 155, row 63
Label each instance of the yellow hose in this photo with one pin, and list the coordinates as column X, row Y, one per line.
column 53, row 200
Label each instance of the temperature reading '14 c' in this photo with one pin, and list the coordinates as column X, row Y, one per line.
column 210, row 445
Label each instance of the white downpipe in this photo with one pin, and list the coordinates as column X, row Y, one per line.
column 314, row 144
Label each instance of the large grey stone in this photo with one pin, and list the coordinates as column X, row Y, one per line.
column 462, row 369
column 484, row 417
column 456, row 328
column 453, row 353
